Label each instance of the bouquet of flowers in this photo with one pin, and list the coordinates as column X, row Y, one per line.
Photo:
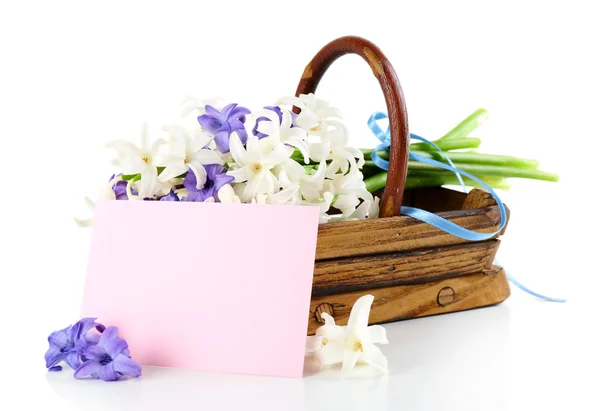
column 226, row 153
column 220, row 152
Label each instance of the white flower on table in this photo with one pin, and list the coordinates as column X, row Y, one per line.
column 139, row 160
column 253, row 164
column 353, row 343
column 185, row 151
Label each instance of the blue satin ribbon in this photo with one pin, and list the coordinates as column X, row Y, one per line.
column 433, row 219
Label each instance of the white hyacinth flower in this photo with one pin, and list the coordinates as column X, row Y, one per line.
column 314, row 113
column 349, row 190
column 354, row 343
column 139, row 160
column 253, row 164
column 227, row 195
column 367, row 209
column 185, row 151
column 283, row 131
column 334, row 146
column 193, row 105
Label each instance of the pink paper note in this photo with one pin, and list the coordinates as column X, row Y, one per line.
column 217, row 287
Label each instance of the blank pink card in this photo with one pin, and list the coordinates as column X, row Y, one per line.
column 216, row 287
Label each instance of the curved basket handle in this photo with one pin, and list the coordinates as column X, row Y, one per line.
column 394, row 98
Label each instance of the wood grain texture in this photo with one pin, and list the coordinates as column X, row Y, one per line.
column 419, row 300
column 395, row 234
column 381, row 270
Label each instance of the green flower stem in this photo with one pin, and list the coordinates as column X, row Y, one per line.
column 490, row 170
column 376, row 182
column 430, row 179
column 466, row 127
column 455, row 144
column 484, row 159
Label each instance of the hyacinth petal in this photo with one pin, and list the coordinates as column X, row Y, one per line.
column 238, row 111
column 359, row 315
column 73, row 358
column 243, row 134
column 350, row 360
column 207, row 157
column 301, row 145
column 373, row 355
column 107, row 373
column 94, row 353
column 277, row 156
column 313, row 342
column 226, row 111
column 327, row 318
column 59, row 338
column 241, row 174
column 87, row 369
column 109, row 334
column 199, row 172
column 290, row 101
column 172, row 171
column 377, row 335
column 209, row 122
column 124, row 147
column 54, row 356
column 222, row 141
column 283, row 196
column 267, row 128
column 55, row 368
column 237, row 149
column 212, row 111
column 115, row 346
column 331, row 352
column 127, row 366
column 148, row 182
column 226, row 194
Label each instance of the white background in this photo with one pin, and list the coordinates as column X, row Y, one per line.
column 74, row 75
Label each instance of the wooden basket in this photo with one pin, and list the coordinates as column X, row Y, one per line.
column 413, row 269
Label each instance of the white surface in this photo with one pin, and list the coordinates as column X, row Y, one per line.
column 518, row 355
column 74, row 75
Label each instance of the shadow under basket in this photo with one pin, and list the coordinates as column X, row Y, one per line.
column 411, row 268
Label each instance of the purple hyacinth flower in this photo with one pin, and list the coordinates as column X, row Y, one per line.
column 222, row 123
column 108, row 360
column 68, row 344
column 215, row 179
column 170, row 197
column 279, row 113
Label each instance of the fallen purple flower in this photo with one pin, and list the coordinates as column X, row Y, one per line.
column 68, row 344
column 109, row 360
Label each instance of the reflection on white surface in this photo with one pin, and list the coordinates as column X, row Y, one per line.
column 432, row 364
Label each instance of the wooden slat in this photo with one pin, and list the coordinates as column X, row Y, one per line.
column 381, row 270
column 410, row 301
column 384, row 235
